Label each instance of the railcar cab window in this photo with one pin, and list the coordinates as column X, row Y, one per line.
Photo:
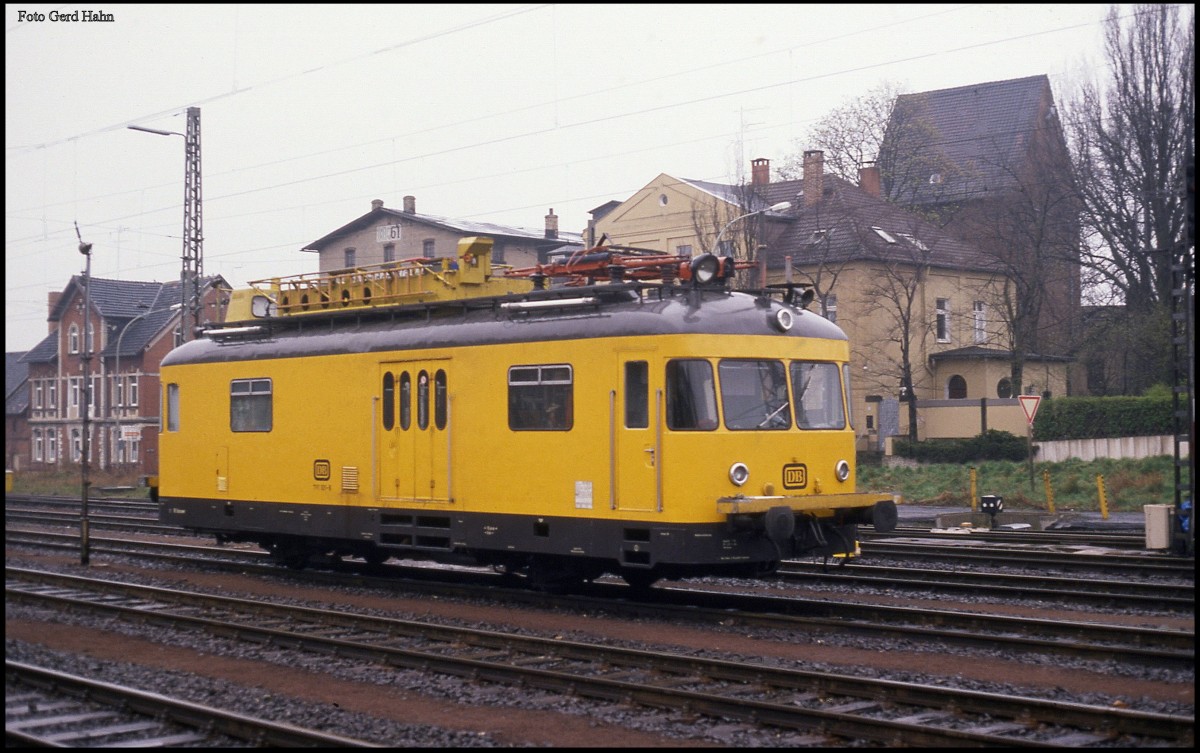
column 250, row 405
column 172, row 413
column 754, row 395
column 691, row 395
column 541, row 398
column 818, row 391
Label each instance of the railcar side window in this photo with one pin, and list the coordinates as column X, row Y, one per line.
column 691, row 395
column 172, row 417
column 250, row 405
column 423, row 400
column 754, row 395
column 637, row 395
column 541, row 398
column 848, row 393
column 389, row 401
column 439, row 399
column 818, row 391
column 405, row 400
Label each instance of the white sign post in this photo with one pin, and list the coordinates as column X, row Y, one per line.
column 1029, row 404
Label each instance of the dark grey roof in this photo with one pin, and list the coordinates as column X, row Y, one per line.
column 465, row 227
column 44, row 352
column 976, row 352
column 842, row 228
column 120, row 303
column 982, row 129
column 16, row 379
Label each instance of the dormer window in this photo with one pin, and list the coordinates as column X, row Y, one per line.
column 935, row 179
column 884, row 234
column 819, row 236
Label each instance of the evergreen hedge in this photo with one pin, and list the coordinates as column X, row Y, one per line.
column 1101, row 417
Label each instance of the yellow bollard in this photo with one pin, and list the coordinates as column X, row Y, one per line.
column 974, row 496
column 1103, row 498
column 1049, row 491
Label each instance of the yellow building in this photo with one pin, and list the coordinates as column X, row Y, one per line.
column 925, row 311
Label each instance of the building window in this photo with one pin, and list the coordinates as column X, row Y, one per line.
column 683, row 250
column 133, row 390
column 829, row 307
column 980, row 322
column 1004, row 388
column 541, row 398
column 37, row 394
column 726, row 248
column 76, row 446
column 662, row 199
column 250, row 405
column 178, row 336
column 52, row 396
column 74, row 386
column 52, row 446
column 38, row 451
column 957, row 388
column 884, row 234
column 427, row 248
column 389, row 252
column 915, row 241
column 73, row 339
column 348, row 258
column 91, row 338
column 943, row 320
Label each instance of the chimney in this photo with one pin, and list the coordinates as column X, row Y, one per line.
column 552, row 225
column 54, row 296
column 814, row 176
column 868, row 180
column 410, row 204
column 760, row 171
column 376, row 204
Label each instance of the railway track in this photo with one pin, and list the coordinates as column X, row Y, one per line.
column 46, row 708
column 834, row 709
column 714, row 603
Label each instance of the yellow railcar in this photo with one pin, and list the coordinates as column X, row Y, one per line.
column 453, row 412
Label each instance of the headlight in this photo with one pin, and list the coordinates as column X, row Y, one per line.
column 842, row 470
column 705, row 268
column 738, row 473
column 782, row 320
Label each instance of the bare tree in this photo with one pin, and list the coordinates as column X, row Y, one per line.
column 850, row 135
column 895, row 295
column 1130, row 135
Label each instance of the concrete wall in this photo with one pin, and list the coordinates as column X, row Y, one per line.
column 1115, row 447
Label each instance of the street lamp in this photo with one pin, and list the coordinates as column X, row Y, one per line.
column 780, row 207
column 120, row 406
column 190, row 273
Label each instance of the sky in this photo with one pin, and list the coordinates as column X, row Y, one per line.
column 491, row 112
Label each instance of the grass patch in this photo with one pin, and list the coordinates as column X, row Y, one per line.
column 68, row 482
column 1128, row 483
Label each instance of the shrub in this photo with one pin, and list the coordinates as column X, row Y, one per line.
column 993, row 445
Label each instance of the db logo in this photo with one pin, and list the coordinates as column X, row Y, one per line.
column 321, row 470
column 795, row 476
